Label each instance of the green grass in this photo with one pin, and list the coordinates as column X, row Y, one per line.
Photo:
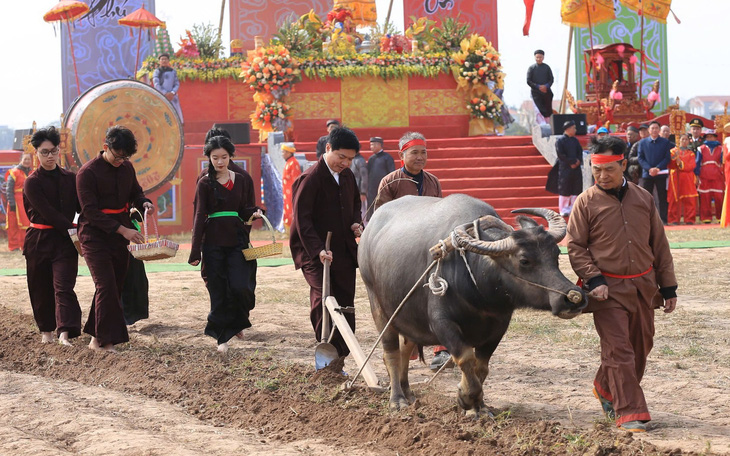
column 698, row 234
column 268, row 384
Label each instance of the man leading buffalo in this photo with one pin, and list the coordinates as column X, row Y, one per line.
column 617, row 246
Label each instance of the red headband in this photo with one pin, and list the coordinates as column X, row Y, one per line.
column 600, row 159
column 413, row 142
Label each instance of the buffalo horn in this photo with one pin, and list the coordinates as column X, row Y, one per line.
column 492, row 248
column 557, row 228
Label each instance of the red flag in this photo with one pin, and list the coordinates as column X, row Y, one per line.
column 529, row 5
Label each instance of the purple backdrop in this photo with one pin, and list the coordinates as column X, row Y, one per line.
column 250, row 18
column 104, row 49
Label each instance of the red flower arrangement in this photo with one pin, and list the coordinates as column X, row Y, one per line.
column 339, row 15
column 485, row 108
column 269, row 116
column 395, row 43
column 270, row 69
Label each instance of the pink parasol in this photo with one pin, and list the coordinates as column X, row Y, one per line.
column 143, row 19
column 67, row 11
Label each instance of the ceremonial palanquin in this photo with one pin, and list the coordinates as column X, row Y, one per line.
column 611, row 87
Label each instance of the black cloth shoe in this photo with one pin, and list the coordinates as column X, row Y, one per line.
column 606, row 405
column 441, row 358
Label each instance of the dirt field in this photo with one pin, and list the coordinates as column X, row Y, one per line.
column 168, row 392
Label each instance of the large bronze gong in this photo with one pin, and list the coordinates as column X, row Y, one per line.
column 138, row 107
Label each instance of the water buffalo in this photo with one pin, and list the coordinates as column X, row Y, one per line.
column 510, row 269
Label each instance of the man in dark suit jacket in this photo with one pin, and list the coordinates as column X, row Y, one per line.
column 326, row 198
column 322, row 141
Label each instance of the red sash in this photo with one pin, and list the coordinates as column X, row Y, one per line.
column 116, row 211
column 617, row 276
column 40, row 226
column 632, row 276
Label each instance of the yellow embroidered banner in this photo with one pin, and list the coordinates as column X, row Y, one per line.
column 374, row 102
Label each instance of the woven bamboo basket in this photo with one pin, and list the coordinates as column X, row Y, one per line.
column 155, row 248
column 73, row 234
column 275, row 248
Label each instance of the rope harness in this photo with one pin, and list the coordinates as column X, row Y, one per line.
column 438, row 286
column 573, row 296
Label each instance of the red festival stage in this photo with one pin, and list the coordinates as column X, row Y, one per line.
column 371, row 106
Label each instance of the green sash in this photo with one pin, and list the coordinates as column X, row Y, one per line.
column 224, row 214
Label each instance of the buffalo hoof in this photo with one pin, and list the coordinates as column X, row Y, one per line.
column 469, row 401
column 410, row 397
column 398, row 404
column 480, row 412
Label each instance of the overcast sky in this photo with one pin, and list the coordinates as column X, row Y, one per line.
column 30, row 80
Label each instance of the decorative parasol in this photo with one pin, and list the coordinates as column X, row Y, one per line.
column 657, row 10
column 67, row 11
column 143, row 19
column 586, row 13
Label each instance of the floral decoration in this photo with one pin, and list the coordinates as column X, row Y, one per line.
column 478, row 71
column 270, row 69
column 321, row 49
column 270, row 72
column 340, row 14
column 395, row 44
column 206, row 70
column 421, row 31
column 478, row 61
column 485, row 107
column 188, row 48
column 387, row 66
column 271, row 116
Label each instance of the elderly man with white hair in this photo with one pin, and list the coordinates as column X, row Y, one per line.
column 411, row 179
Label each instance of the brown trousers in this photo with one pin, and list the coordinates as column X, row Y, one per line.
column 626, row 340
column 342, row 287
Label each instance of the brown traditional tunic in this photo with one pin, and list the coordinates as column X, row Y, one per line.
column 608, row 235
column 102, row 186
column 392, row 187
column 399, row 183
column 51, row 258
column 322, row 205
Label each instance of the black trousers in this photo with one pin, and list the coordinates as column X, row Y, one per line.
column 51, row 280
column 108, row 266
column 342, row 287
column 231, row 281
column 660, row 183
column 135, row 294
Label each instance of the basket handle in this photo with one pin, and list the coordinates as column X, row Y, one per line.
column 268, row 225
column 154, row 224
column 144, row 221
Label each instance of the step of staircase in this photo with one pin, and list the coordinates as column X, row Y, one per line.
column 494, row 193
column 506, row 172
column 501, row 171
column 496, row 182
